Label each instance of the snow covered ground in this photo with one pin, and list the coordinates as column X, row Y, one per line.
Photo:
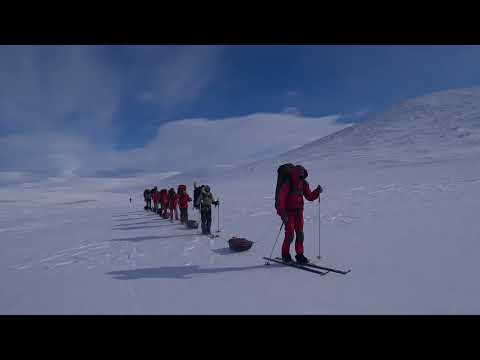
column 405, row 221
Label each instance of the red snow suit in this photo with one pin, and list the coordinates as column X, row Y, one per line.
column 164, row 198
column 173, row 199
column 156, row 199
column 164, row 201
column 183, row 200
column 172, row 204
column 290, row 207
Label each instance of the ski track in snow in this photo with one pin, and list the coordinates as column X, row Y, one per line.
column 64, row 255
column 91, row 254
column 136, row 309
column 188, row 250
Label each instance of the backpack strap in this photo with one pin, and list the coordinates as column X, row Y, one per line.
column 297, row 190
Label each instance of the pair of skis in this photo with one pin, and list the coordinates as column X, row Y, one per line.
column 314, row 268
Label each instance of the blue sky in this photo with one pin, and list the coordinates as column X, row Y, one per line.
column 317, row 80
column 116, row 97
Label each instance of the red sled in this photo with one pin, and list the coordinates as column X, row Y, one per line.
column 239, row 244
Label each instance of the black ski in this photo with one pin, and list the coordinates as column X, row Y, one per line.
column 343, row 272
column 296, row 265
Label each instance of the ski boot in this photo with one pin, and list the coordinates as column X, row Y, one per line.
column 301, row 259
column 287, row 258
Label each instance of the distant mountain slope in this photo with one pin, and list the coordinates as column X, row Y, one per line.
column 441, row 125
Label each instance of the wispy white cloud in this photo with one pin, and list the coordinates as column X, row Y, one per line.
column 182, row 76
column 55, row 103
column 177, row 146
column 61, row 88
column 292, row 110
column 13, row 177
column 47, row 153
column 195, row 143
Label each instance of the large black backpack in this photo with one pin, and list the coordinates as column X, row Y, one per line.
column 196, row 196
column 283, row 175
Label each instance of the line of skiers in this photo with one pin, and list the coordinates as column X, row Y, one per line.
column 291, row 188
column 165, row 203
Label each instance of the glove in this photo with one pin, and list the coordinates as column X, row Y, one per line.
column 319, row 188
column 216, row 203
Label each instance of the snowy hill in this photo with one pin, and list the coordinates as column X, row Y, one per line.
column 400, row 209
column 443, row 122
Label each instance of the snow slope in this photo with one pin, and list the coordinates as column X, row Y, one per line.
column 441, row 124
column 404, row 220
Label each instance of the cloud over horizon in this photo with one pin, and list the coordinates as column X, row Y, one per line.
column 60, row 105
column 177, row 146
column 194, row 143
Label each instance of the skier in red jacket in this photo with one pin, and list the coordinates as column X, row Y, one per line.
column 290, row 209
column 183, row 200
column 172, row 203
column 155, row 199
column 163, row 202
column 159, row 202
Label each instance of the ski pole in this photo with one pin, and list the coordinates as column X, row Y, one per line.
column 271, row 253
column 218, row 216
column 319, row 257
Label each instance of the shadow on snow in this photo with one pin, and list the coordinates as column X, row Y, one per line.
column 141, row 227
column 142, row 238
column 153, row 221
column 224, row 251
column 177, row 272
